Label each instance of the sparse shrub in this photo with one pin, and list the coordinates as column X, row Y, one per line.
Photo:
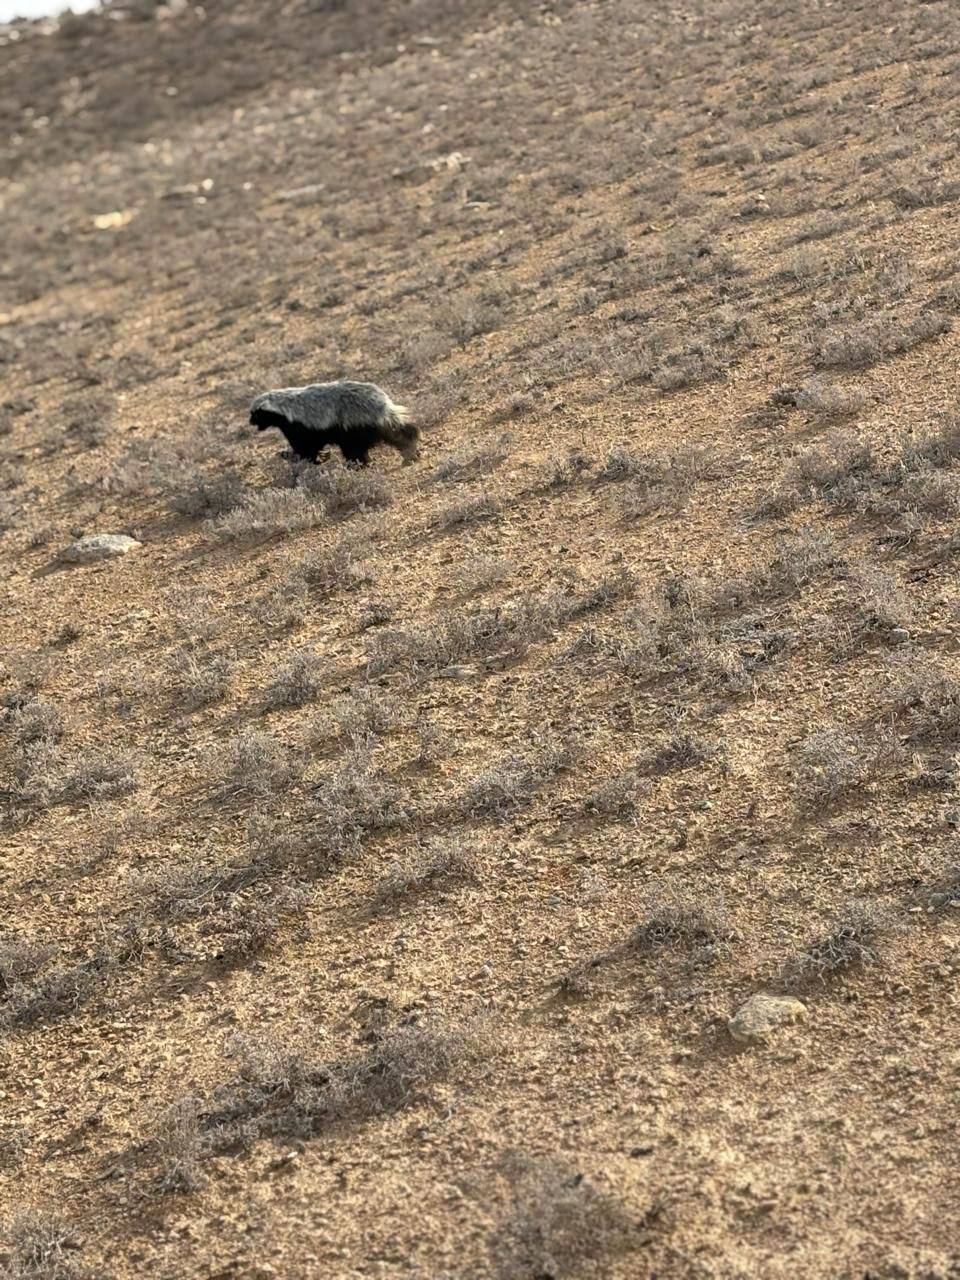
column 667, row 482
column 623, row 463
column 233, row 910
column 342, row 566
column 799, row 560
column 682, row 750
column 849, row 945
column 516, row 405
column 924, row 194
column 298, row 681
column 510, row 629
column 431, row 741
column 374, row 614
column 281, row 1092
column 467, row 317
column 947, row 893
column 180, row 1146
column 805, row 266
column 481, row 506
column 673, row 920
column 55, row 990
column 832, row 763
column 435, row 407
column 925, row 490
column 566, row 471
column 343, row 490
column 821, row 226
column 191, row 888
column 365, row 711
column 284, row 605
column 419, row 352
column 269, row 512
column 20, row 959
column 459, row 467
column 14, row 1142
column 882, row 602
column 479, row 573
column 874, row 340
column 44, row 1246
column 275, row 843
column 837, row 471
column 938, row 447
column 68, row 634
column 685, row 370
column 558, row 1221
column 617, row 796
column 927, row 702
column 448, row 860
column 355, row 799
column 35, row 721
column 48, row 775
column 210, row 497
column 200, row 681
column 196, row 616
column 828, row 400
column 510, row 783
column 254, row 764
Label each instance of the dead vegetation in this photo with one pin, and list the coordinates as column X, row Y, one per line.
column 283, row 1093
column 444, row 862
column 850, row 945
column 43, row 1246
column 644, row 668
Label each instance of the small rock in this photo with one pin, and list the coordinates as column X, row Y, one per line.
column 302, row 195
column 99, row 546
column 762, row 1013
column 111, row 221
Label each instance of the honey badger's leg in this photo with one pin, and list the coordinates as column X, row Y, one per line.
column 356, row 442
column 356, row 452
column 306, row 444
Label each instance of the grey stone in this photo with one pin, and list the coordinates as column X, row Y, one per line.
column 763, row 1013
column 99, row 546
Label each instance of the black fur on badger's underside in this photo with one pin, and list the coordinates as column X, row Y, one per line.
column 354, row 443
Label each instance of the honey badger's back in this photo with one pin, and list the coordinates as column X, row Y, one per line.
column 342, row 413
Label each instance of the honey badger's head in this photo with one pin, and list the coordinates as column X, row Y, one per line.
column 263, row 419
column 263, row 414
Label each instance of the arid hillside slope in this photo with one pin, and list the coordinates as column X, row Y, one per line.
column 387, row 851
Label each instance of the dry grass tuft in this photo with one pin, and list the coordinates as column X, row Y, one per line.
column 299, row 680
column 680, row 920
column 281, row 1092
column 833, row 764
column 851, row 944
column 875, row 340
column 252, row 764
column 267, row 513
column 442, row 862
column 43, row 1246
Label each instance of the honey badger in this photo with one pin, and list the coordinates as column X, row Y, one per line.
column 355, row 416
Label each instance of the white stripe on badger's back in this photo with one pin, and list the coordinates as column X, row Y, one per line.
column 322, row 405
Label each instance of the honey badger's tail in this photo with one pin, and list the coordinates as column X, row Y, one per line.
column 397, row 429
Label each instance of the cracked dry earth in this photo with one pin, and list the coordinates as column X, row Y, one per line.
column 386, row 852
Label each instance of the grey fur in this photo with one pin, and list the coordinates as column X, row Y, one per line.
column 335, row 409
